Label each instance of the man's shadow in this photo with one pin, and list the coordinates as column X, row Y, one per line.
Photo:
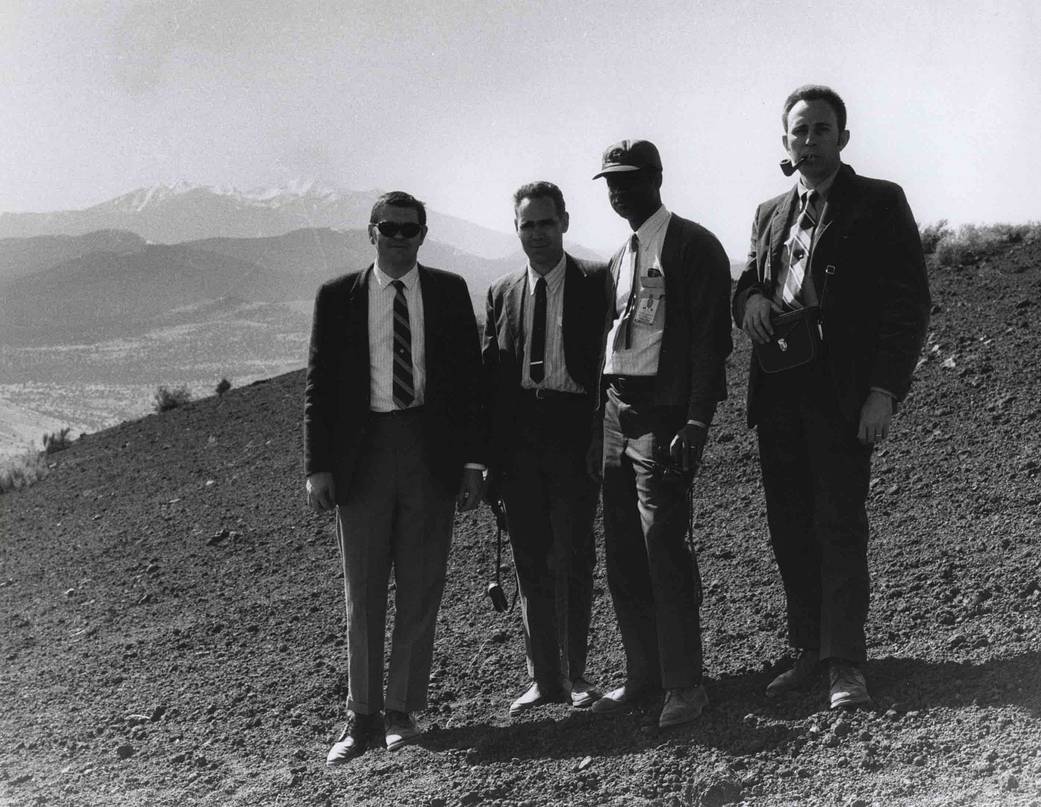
column 741, row 720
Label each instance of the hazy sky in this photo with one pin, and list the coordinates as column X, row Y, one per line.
column 460, row 102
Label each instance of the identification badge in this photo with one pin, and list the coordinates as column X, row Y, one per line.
column 647, row 308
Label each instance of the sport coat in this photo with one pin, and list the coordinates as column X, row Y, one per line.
column 696, row 338
column 336, row 395
column 586, row 294
column 868, row 271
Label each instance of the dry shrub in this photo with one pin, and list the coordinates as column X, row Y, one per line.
column 975, row 242
column 222, row 386
column 166, row 398
column 22, row 470
column 56, row 441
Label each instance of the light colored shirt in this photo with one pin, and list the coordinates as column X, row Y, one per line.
column 641, row 358
column 556, row 376
column 381, row 338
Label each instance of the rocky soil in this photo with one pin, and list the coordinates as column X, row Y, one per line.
column 173, row 623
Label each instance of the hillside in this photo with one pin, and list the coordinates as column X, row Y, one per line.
column 173, row 625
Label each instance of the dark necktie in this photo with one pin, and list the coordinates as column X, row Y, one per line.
column 626, row 328
column 536, row 362
column 404, row 389
column 799, row 241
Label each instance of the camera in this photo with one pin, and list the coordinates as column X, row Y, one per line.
column 497, row 596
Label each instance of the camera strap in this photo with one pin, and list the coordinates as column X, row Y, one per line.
column 699, row 594
column 499, row 509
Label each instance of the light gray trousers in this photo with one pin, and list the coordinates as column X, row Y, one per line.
column 396, row 517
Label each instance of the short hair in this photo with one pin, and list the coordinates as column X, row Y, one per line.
column 398, row 199
column 815, row 92
column 540, row 190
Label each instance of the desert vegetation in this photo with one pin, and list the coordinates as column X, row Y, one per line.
column 971, row 243
column 22, row 470
column 222, row 386
column 167, row 398
column 56, row 441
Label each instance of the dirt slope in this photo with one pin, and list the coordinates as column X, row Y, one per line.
column 173, row 626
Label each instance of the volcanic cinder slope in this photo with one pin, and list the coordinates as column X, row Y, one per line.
column 173, row 625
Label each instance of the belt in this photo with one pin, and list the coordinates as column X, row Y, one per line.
column 397, row 413
column 540, row 394
column 632, row 385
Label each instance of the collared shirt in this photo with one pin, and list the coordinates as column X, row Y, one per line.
column 642, row 357
column 556, row 375
column 381, row 338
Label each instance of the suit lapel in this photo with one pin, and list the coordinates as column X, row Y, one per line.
column 515, row 295
column 355, row 354
column 779, row 232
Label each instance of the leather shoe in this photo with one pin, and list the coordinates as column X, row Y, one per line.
column 583, row 695
column 802, row 674
column 683, row 705
column 533, row 696
column 848, row 687
column 354, row 739
column 619, row 700
column 401, row 729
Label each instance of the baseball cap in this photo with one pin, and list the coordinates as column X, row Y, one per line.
column 629, row 155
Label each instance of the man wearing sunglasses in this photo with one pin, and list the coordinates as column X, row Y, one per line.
column 393, row 442
column 542, row 338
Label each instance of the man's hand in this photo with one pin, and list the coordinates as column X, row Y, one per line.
column 471, row 489
column 321, row 491
column 757, row 318
column 687, row 446
column 875, row 415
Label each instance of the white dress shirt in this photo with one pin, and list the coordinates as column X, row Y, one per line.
column 556, row 376
column 381, row 338
column 641, row 358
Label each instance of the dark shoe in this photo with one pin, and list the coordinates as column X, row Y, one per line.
column 354, row 738
column 583, row 695
column 533, row 696
column 683, row 706
column 848, row 687
column 800, row 676
column 621, row 699
column 401, row 729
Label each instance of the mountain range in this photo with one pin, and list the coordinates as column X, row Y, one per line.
column 184, row 285
column 171, row 214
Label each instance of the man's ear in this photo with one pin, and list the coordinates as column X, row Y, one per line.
column 843, row 139
column 372, row 234
column 784, row 143
column 565, row 222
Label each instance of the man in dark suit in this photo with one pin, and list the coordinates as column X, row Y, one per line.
column 392, row 413
column 664, row 373
column 542, row 341
column 849, row 246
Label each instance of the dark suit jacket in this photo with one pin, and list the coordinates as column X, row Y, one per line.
column 586, row 294
column 696, row 340
column 336, row 395
column 875, row 308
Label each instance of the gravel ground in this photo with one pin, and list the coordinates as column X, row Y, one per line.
column 173, row 623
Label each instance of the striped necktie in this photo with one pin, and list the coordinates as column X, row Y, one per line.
column 404, row 389
column 799, row 240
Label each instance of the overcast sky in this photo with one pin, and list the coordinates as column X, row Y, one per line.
column 460, row 102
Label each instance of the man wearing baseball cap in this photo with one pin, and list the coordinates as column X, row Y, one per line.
column 664, row 373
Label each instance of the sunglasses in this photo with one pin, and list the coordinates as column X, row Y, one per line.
column 408, row 229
